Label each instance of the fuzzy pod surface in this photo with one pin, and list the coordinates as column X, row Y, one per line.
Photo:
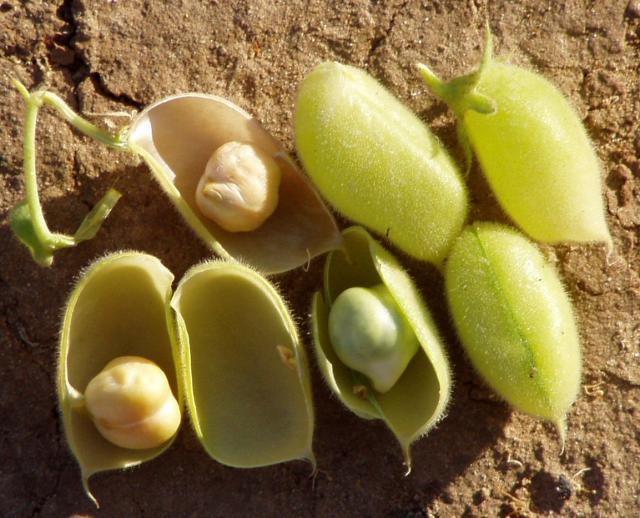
column 515, row 320
column 531, row 146
column 377, row 163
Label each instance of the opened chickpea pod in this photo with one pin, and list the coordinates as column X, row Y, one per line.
column 132, row 352
column 246, row 375
column 118, row 373
column 375, row 342
column 233, row 182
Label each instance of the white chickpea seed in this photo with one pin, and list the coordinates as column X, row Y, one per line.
column 239, row 187
column 131, row 403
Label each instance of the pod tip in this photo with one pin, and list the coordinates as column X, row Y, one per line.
column 407, row 460
column 314, row 464
column 87, row 490
column 561, row 427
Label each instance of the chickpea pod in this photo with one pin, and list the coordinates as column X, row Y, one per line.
column 409, row 380
column 233, row 182
column 370, row 335
column 246, row 374
column 225, row 343
column 375, row 161
column 531, row 146
column 117, row 347
column 131, row 403
column 515, row 320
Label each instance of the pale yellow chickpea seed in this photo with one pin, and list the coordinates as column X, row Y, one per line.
column 239, row 187
column 131, row 403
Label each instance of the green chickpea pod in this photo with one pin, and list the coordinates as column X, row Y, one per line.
column 370, row 335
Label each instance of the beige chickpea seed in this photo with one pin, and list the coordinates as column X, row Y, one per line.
column 131, row 403
column 239, row 187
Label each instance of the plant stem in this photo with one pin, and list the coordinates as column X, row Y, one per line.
column 44, row 235
column 44, row 238
column 29, row 165
column 83, row 125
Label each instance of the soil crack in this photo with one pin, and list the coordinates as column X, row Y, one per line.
column 77, row 64
column 621, row 382
column 378, row 41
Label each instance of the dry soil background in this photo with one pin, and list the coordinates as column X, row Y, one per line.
column 483, row 459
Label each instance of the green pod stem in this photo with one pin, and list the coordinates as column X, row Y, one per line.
column 27, row 217
column 515, row 320
column 120, row 307
column 246, row 374
column 377, row 163
column 532, row 147
column 419, row 398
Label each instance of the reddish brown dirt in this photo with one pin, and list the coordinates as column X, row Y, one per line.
column 483, row 459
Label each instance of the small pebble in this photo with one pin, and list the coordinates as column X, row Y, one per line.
column 564, row 487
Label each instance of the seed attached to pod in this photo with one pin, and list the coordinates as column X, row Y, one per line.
column 119, row 309
column 376, row 162
column 370, row 335
column 131, row 403
column 246, row 374
column 365, row 287
column 239, row 187
column 515, row 320
column 233, row 182
column 532, row 147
